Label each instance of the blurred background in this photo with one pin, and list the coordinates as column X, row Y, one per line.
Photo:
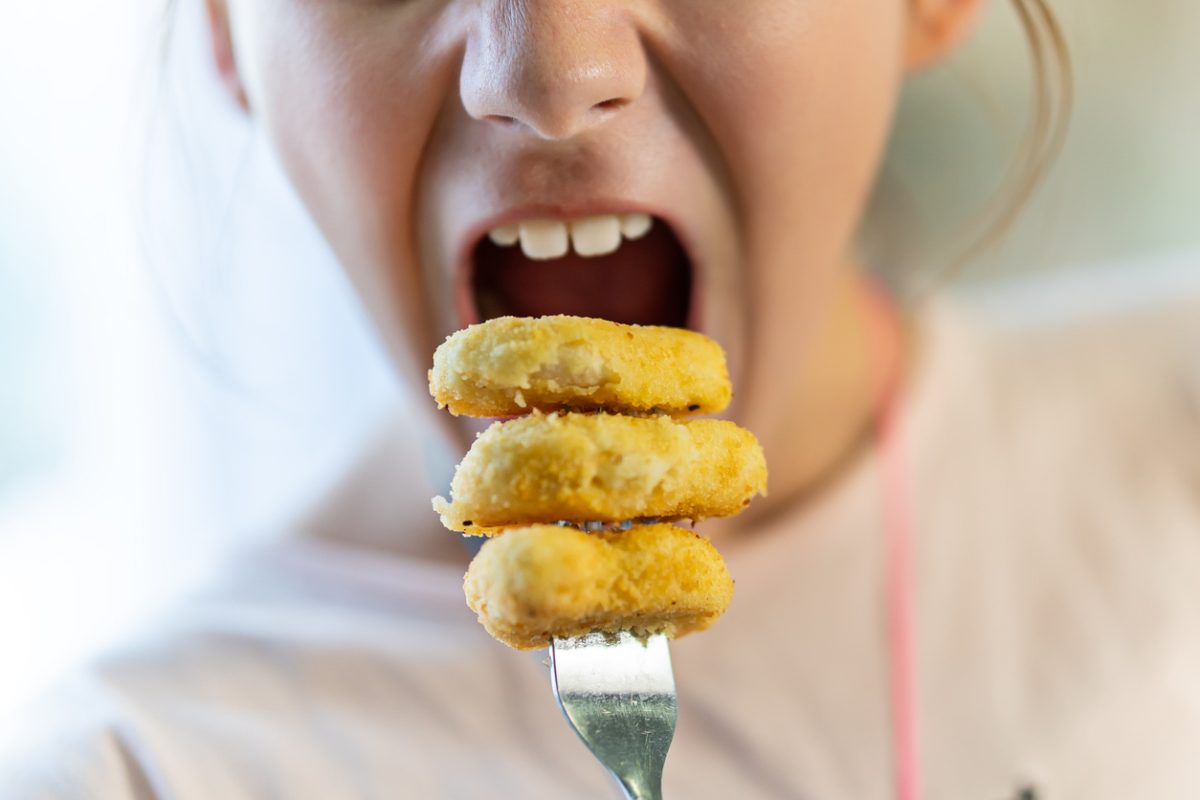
column 183, row 368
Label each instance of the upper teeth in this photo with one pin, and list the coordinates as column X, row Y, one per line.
column 544, row 239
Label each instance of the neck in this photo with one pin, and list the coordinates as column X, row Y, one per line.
column 822, row 419
column 383, row 502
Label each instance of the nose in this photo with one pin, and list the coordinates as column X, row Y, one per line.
column 555, row 67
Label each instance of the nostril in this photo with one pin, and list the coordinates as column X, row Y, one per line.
column 612, row 104
column 500, row 119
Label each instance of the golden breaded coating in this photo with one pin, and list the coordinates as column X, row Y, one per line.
column 510, row 365
column 602, row 467
column 535, row 583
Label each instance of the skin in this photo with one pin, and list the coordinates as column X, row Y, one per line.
column 755, row 127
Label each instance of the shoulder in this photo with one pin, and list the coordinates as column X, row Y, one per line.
column 1062, row 434
column 319, row 671
column 1106, row 363
column 308, row 662
column 1141, row 317
column 1066, row 440
column 70, row 745
column 1061, row 491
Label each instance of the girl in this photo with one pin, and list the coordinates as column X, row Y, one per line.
column 974, row 576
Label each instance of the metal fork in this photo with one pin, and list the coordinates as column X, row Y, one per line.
column 618, row 693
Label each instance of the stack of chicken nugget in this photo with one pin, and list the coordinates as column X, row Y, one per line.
column 578, row 483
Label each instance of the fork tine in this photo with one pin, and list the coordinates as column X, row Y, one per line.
column 618, row 694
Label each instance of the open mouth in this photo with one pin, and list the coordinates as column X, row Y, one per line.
column 629, row 268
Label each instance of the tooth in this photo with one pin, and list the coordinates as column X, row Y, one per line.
column 635, row 226
column 544, row 239
column 596, row 236
column 505, row 235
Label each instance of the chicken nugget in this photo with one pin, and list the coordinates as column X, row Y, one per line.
column 602, row 467
column 532, row 584
column 510, row 365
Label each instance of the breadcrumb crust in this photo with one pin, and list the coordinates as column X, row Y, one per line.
column 544, row 581
column 592, row 438
column 509, row 366
column 602, row 467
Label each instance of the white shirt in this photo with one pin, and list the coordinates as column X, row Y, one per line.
column 1057, row 512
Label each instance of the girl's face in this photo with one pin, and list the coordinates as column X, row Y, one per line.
column 750, row 131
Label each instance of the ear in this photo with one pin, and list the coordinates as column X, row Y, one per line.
column 222, row 51
column 936, row 28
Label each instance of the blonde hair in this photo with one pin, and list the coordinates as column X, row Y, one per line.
column 1053, row 97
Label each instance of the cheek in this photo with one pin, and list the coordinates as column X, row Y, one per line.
column 800, row 111
column 348, row 96
column 803, row 112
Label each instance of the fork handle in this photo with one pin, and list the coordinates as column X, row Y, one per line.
column 648, row 788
